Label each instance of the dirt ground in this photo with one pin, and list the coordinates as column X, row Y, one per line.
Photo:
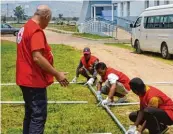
column 147, row 68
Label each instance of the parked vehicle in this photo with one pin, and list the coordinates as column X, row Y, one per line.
column 153, row 30
column 8, row 29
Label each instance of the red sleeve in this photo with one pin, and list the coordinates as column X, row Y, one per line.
column 37, row 41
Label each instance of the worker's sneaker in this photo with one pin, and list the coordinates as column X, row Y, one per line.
column 121, row 100
column 163, row 128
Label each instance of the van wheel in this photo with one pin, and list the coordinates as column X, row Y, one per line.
column 165, row 52
column 137, row 47
column 15, row 33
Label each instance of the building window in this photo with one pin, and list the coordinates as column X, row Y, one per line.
column 128, row 8
column 166, row 2
column 122, row 10
column 146, row 3
column 156, row 2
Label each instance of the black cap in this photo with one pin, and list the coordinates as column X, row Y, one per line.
column 86, row 50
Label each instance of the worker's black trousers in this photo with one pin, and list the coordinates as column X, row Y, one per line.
column 35, row 110
column 154, row 119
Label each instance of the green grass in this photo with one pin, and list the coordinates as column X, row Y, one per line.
column 17, row 25
column 55, row 26
column 62, row 118
column 63, row 27
column 156, row 56
column 120, row 45
column 91, row 36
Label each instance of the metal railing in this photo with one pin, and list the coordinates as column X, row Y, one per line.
column 103, row 27
column 123, row 23
column 98, row 26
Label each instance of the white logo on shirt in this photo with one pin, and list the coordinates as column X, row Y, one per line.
column 19, row 35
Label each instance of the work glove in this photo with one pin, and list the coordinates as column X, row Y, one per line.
column 90, row 81
column 107, row 101
column 132, row 130
column 137, row 132
column 98, row 94
column 74, row 79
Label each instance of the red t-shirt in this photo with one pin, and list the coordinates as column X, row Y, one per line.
column 122, row 77
column 151, row 92
column 90, row 63
column 31, row 38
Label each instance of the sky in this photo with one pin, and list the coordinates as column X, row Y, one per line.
column 68, row 8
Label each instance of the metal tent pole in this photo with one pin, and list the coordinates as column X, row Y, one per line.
column 150, row 83
column 124, row 104
column 49, row 102
column 109, row 111
column 13, row 84
column 160, row 83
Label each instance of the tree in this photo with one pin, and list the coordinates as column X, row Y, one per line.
column 19, row 13
column 25, row 17
column 53, row 18
column 4, row 19
column 75, row 18
column 60, row 16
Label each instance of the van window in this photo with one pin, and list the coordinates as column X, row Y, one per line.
column 161, row 25
column 145, row 22
column 138, row 22
column 168, row 21
column 150, row 22
column 158, row 22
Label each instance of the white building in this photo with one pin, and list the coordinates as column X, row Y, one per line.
column 113, row 13
column 130, row 9
column 110, row 9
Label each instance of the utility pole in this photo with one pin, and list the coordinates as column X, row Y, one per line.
column 7, row 12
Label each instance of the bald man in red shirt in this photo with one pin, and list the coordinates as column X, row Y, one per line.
column 35, row 71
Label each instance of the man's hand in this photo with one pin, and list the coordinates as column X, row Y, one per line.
column 60, row 77
column 90, row 68
column 74, row 79
column 132, row 130
column 98, row 93
column 90, row 81
column 107, row 101
column 137, row 132
column 81, row 69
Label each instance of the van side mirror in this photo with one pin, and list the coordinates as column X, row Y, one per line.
column 131, row 25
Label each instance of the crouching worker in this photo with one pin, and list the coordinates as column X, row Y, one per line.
column 86, row 67
column 116, row 84
column 156, row 109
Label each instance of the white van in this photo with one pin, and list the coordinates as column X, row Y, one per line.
column 153, row 30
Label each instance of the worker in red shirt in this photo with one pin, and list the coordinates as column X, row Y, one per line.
column 116, row 84
column 86, row 67
column 35, row 71
column 156, row 109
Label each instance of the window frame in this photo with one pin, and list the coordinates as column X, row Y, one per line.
column 162, row 24
column 136, row 22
